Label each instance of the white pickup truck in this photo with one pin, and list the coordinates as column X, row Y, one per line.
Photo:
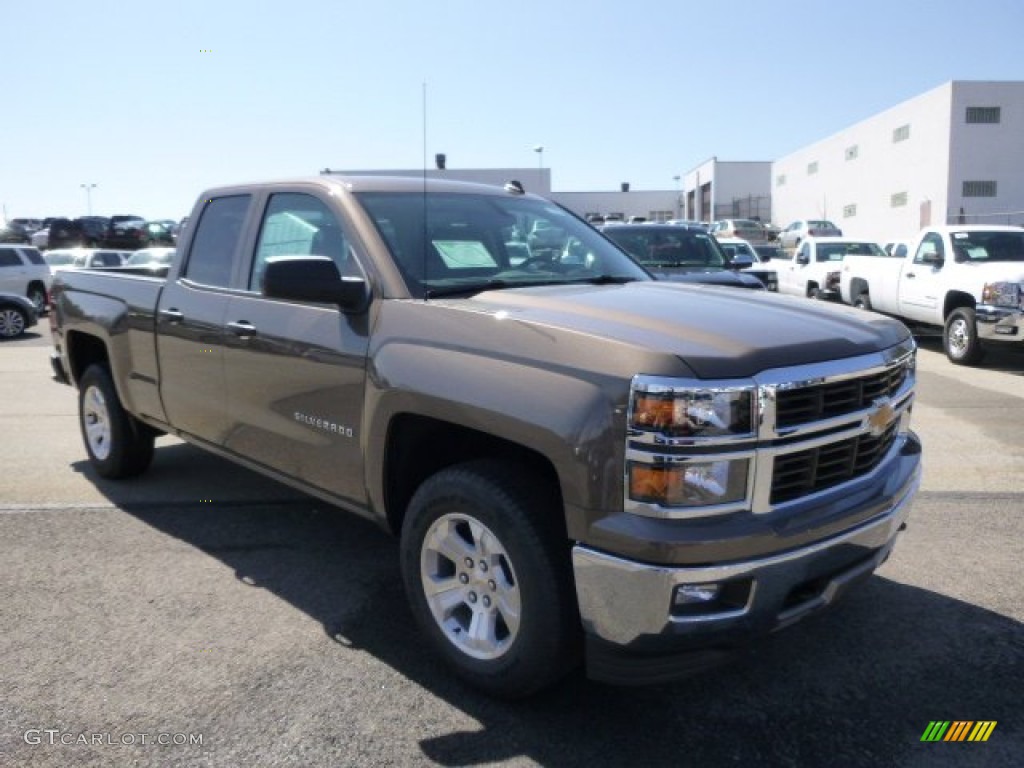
column 967, row 280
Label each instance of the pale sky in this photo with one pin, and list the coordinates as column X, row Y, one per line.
column 155, row 101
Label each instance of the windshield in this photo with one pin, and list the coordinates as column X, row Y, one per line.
column 669, row 247
column 983, row 246
column 451, row 242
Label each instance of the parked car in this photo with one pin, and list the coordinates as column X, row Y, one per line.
column 19, row 231
column 815, row 267
column 745, row 229
column 678, row 254
column 24, row 273
column 897, row 248
column 769, row 251
column 134, row 234
column 745, row 258
column 151, row 257
column 17, row 314
column 84, row 258
column 92, row 230
column 791, row 237
column 118, row 234
column 691, row 224
column 965, row 280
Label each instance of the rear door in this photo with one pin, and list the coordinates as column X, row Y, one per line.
column 190, row 329
column 295, row 372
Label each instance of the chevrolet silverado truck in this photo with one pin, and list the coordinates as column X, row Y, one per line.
column 582, row 464
column 967, row 280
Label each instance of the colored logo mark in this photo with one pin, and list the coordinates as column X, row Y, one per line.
column 959, row 730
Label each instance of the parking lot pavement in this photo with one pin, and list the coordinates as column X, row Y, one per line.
column 202, row 603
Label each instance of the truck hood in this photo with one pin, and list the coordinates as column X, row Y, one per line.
column 991, row 272
column 716, row 332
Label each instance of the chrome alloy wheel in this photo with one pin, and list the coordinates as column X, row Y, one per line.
column 959, row 337
column 12, row 323
column 96, row 422
column 470, row 586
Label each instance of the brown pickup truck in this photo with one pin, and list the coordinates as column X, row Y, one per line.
column 582, row 463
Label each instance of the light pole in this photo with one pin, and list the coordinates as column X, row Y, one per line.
column 679, row 198
column 88, row 196
column 540, row 166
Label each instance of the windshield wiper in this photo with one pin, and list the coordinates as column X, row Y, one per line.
column 603, row 280
column 495, row 284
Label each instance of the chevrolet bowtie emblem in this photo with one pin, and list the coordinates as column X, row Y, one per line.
column 881, row 417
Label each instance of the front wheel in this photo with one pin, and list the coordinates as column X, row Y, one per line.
column 118, row 444
column 486, row 568
column 960, row 337
column 13, row 322
column 863, row 301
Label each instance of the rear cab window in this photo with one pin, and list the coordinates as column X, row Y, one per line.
column 211, row 256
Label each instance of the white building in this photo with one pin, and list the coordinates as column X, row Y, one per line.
column 954, row 154
column 724, row 189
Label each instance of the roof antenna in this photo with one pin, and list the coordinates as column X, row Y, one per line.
column 423, row 240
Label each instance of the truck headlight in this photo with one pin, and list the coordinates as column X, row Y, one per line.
column 689, row 484
column 1002, row 294
column 698, row 413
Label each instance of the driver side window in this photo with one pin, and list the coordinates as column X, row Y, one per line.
column 297, row 224
column 930, row 250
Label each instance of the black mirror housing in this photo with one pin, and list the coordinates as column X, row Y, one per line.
column 314, row 279
column 742, row 261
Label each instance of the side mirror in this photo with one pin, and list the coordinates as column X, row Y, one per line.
column 803, row 258
column 742, row 261
column 932, row 259
column 315, row 279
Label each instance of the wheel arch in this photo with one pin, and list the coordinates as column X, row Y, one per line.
column 956, row 300
column 419, row 446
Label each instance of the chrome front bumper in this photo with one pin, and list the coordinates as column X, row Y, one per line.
column 999, row 323
column 622, row 602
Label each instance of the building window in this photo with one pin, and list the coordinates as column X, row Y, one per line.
column 898, row 200
column 852, row 152
column 660, row 215
column 849, row 211
column 983, row 114
column 780, row 180
column 979, row 189
column 901, row 134
column 812, row 168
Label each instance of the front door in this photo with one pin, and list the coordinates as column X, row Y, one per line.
column 295, row 373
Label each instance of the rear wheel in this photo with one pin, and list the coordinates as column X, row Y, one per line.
column 960, row 337
column 813, row 292
column 487, row 573
column 118, row 444
column 12, row 322
column 37, row 295
column 863, row 301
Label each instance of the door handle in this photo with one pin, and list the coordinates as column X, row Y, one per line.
column 242, row 328
column 910, row 274
column 172, row 315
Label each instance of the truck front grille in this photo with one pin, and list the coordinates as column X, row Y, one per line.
column 804, row 405
column 803, row 472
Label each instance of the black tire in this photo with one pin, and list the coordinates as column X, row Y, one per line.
column 495, row 542
column 960, row 338
column 13, row 322
column 863, row 301
column 813, row 292
column 118, row 444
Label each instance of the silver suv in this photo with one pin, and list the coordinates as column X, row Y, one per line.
column 791, row 237
column 24, row 272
